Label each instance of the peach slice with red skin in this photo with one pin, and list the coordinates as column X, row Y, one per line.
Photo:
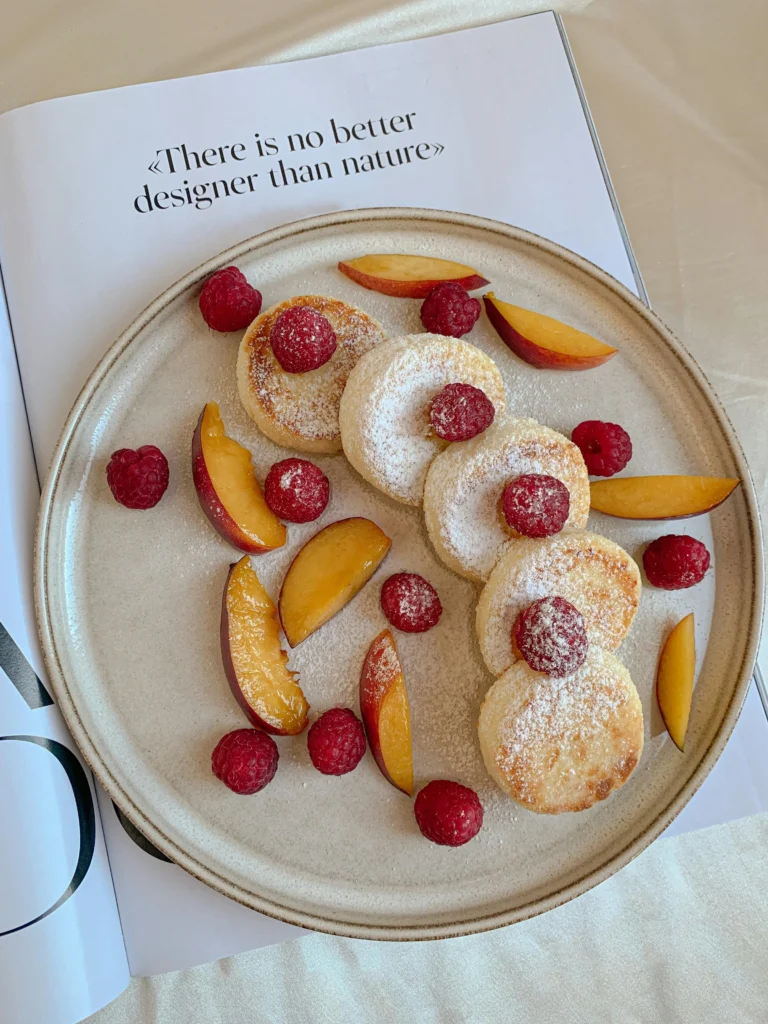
column 325, row 575
column 408, row 277
column 543, row 341
column 228, row 490
column 386, row 712
column 254, row 661
column 660, row 497
column 674, row 679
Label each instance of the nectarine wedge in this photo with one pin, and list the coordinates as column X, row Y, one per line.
column 327, row 573
column 386, row 713
column 408, row 277
column 254, row 662
column 228, row 490
column 543, row 341
column 674, row 679
column 660, row 497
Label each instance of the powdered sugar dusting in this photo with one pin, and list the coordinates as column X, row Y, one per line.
column 385, row 425
column 536, row 505
column 307, row 404
column 444, row 675
column 561, row 744
column 302, row 339
column 381, row 665
column 410, row 602
column 460, row 412
column 590, row 571
column 293, row 474
column 417, row 599
column 465, row 483
column 551, row 637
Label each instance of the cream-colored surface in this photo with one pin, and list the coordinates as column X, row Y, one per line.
column 677, row 89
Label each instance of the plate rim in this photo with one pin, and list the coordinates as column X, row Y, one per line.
column 112, row 785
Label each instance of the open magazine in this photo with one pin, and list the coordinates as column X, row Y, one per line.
column 105, row 200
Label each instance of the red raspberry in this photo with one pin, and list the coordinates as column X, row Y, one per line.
column 450, row 309
column 297, row 490
column 302, row 339
column 606, row 447
column 536, row 505
column 245, row 760
column 138, row 479
column 551, row 637
column 228, row 302
column 447, row 813
column 460, row 411
column 336, row 742
column 675, row 562
column 410, row 603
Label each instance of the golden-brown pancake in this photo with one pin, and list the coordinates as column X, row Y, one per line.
column 462, row 495
column 558, row 745
column 301, row 410
column 590, row 571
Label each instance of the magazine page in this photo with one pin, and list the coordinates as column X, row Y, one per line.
column 151, row 180
column 61, row 948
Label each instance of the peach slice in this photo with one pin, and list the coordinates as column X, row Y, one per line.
column 327, row 573
column 674, row 679
column 408, row 277
column 543, row 341
column 254, row 662
column 228, row 490
column 660, row 497
column 386, row 713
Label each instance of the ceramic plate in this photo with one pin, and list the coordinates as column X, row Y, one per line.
column 129, row 603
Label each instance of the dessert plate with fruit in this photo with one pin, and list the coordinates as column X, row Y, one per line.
column 399, row 574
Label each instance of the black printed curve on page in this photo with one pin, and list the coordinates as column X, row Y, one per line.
column 86, row 815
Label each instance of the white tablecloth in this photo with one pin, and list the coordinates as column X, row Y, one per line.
column 677, row 937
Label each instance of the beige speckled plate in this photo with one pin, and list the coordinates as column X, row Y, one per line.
column 128, row 604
